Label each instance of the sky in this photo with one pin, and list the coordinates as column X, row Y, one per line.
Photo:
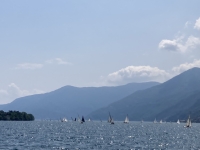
column 48, row 44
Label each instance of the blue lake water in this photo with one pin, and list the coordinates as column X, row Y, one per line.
column 97, row 135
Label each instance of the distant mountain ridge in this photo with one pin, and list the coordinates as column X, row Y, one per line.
column 70, row 101
column 172, row 100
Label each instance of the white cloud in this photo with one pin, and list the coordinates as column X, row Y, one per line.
column 13, row 91
column 145, row 74
column 171, row 45
column 197, row 24
column 58, row 61
column 31, row 66
column 182, row 44
column 192, row 43
column 179, row 45
column 187, row 24
column 183, row 67
column 137, row 74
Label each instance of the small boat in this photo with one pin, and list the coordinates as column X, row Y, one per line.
column 178, row 122
column 155, row 121
column 161, row 121
column 82, row 120
column 89, row 119
column 126, row 119
column 63, row 120
column 110, row 119
column 188, row 123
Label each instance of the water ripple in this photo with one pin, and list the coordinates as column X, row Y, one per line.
column 97, row 135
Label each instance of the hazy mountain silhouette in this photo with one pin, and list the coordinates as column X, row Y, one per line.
column 70, row 101
column 172, row 100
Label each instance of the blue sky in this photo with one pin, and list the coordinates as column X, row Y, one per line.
column 45, row 45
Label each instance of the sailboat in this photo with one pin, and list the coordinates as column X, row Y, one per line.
column 178, row 122
column 126, row 119
column 161, row 121
column 188, row 123
column 82, row 120
column 155, row 121
column 63, row 120
column 112, row 121
column 89, row 119
column 109, row 118
column 79, row 120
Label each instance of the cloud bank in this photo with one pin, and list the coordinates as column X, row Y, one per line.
column 185, row 66
column 137, row 74
column 146, row 73
column 197, row 24
column 179, row 45
column 13, row 91
column 123, row 76
column 182, row 44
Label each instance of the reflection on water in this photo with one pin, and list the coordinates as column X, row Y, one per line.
column 97, row 135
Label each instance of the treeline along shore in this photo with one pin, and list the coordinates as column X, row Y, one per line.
column 15, row 116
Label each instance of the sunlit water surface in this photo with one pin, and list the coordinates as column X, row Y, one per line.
column 97, row 135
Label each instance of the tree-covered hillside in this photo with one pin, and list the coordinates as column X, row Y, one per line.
column 70, row 101
column 175, row 99
column 15, row 116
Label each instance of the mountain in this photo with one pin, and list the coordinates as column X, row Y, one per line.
column 70, row 101
column 172, row 100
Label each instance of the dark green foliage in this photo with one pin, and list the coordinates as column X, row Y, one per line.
column 15, row 116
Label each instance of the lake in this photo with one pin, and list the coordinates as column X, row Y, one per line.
column 97, row 135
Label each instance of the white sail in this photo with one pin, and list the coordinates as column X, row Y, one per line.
column 178, row 122
column 63, row 120
column 126, row 119
column 161, row 121
column 112, row 121
column 79, row 120
column 155, row 121
column 109, row 119
column 89, row 119
column 188, row 123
